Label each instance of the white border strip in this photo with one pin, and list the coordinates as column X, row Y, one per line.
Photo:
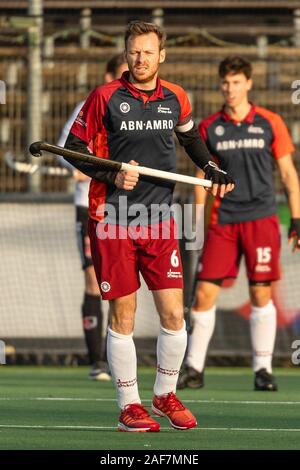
column 114, row 428
column 106, row 400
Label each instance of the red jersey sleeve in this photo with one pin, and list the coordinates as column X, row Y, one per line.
column 88, row 122
column 282, row 143
column 185, row 120
column 205, row 123
column 185, row 105
column 202, row 130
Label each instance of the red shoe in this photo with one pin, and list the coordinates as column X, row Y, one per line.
column 169, row 406
column 136, row 419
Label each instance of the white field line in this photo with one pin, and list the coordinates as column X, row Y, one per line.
column 104, row 400
column 113, row 428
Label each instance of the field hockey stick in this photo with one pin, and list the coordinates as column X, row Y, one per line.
column 111, row 165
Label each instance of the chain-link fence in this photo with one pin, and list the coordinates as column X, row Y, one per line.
column 40, row 261
column 68, row 78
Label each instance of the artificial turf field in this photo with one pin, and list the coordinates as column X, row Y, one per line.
column 49, row 408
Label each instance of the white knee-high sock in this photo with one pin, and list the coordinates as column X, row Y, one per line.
column 171, row 346
column 203, row 327
column 121, row 356
column 263, row 332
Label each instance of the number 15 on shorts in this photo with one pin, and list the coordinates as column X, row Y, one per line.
column 264, row 254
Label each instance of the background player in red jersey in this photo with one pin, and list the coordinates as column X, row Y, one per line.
column 92, row 314
column 133, row 120
column 245, row 139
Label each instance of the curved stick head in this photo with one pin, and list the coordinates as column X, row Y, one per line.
column 35, row 149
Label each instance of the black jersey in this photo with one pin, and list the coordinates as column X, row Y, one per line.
column 122, row 123
column 246, row 150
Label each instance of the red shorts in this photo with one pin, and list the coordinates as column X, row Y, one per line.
column 119, row 253
column 258, row 240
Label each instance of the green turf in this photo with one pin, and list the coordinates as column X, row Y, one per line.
column 284, row 214
column 224, row 423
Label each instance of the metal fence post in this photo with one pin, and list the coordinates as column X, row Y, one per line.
column 34, row 107
column 2, row 352
column 85, row 27
column 297, row 27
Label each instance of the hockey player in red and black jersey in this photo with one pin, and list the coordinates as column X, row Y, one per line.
column 245, row 140
column 133, row 120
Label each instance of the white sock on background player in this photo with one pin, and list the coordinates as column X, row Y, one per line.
column 263, row 332
column 203, row 328
column 121, row 356
column 171, row 346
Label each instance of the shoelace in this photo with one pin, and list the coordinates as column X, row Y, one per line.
column 172, row 402
column 136, row 411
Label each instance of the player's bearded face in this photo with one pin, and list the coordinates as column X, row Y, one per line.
column 144, row 57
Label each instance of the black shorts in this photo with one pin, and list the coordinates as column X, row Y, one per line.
column 83, row 239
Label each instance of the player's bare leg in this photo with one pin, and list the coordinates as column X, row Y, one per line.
column 91, row 283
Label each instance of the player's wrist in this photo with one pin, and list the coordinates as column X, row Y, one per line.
column 210, row 165
column 294, row 227
column 213, row 173
column 107, row 177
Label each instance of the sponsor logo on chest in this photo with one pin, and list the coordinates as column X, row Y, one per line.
column 124, row 107
column 240, row 144
column 79, row 119
column 163, row 109
column 255, row 130
column 148, row 125
column 219, row 130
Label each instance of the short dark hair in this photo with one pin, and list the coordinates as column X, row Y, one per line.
column 137, row 28
column 114, row 63
column 235, row 64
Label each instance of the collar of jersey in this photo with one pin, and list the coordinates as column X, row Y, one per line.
column 249, row 118
column 158, row 93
